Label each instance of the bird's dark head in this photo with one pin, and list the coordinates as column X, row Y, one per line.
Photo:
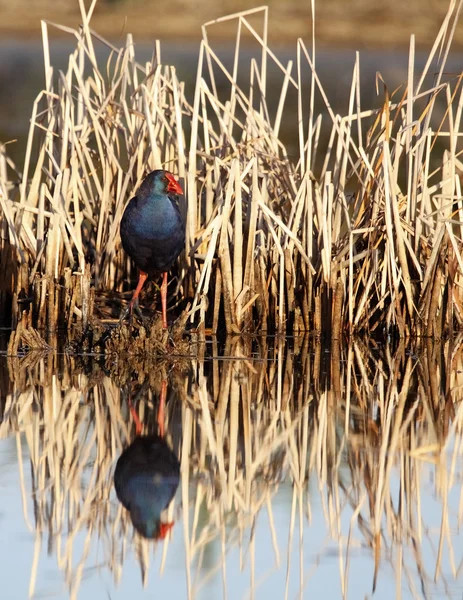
column 161, row 182
column 153, row 530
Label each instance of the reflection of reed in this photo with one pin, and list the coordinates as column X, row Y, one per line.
column 360, row 424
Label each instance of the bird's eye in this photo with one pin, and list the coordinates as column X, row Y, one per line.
column 164, row 179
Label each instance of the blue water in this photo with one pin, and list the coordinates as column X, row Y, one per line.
column 289, row 541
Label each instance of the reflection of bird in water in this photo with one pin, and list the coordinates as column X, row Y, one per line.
column 146, row 478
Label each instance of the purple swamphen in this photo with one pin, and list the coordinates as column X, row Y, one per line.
column 147, row 476
column 153, row 231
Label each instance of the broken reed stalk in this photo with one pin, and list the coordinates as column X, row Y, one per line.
column 252, row 429
column 269, row 242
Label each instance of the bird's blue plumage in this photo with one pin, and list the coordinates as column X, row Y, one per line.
column 152, row 229
column 146, row 478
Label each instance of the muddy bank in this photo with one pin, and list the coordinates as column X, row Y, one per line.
column 128, row 338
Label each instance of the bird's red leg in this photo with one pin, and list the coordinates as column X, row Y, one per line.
column 141, row 280
column 164, row 300
column 136, row 418
column 162, row 404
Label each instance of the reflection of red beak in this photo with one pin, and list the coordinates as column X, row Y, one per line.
column 173, row 185
column 165, row 527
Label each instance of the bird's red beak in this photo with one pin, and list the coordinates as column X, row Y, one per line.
column 173, row 185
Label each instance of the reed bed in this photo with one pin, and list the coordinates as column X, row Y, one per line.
column 357, row 442
column 361, row 232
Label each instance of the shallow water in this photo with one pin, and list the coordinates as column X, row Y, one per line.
column 300, row 469
column 22, row 78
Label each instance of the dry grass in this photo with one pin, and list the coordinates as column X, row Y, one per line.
column 368, row 242
column 357, row 439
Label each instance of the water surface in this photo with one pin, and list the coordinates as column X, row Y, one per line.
column 22, row 78
column 302, row 472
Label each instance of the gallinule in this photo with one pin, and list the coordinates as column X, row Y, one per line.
column 146, row 478
column 153, row 232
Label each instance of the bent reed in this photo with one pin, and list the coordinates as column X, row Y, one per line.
column 362, row 234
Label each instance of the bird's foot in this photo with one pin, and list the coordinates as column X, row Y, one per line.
column 139, row 314
column 128, row 313
column 171, row 341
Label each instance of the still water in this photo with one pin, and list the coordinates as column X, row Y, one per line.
column 22, row 78
column 295, row 471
